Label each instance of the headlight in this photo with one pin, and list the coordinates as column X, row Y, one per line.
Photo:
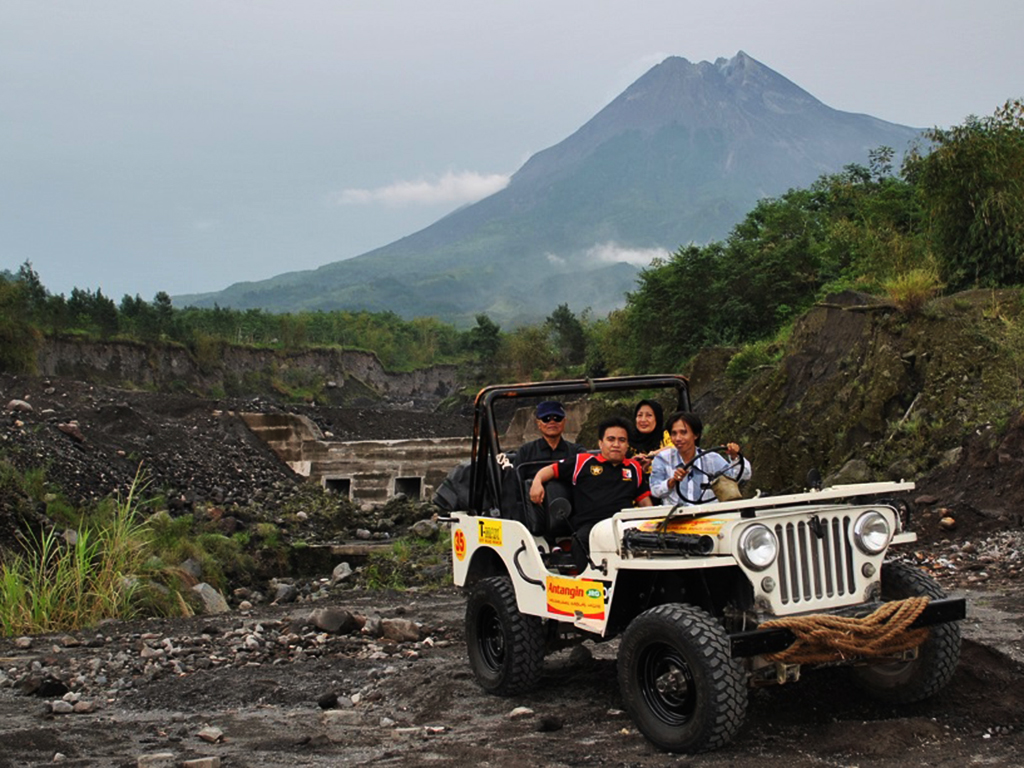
column 758, row 547
column 871, row 532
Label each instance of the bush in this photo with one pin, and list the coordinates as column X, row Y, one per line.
column 744, row 363
column 56, row 585
column 913, row 289
column 410, row 561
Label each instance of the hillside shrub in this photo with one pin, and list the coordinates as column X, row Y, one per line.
column 752, row 357
column 410, row 561
column 913, row 289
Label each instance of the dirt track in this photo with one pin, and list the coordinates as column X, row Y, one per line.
column 416, row 703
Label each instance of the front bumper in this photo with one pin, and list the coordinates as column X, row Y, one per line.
column 777, row 639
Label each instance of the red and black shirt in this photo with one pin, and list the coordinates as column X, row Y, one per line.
column 601, row 488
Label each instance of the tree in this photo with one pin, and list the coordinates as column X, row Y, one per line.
column 567, row 335
column 526, row 353
column 484, row 339
column 35, row 293
column 92, row 311
column 673, row 312
column 972, row 183
column 104, row 314
column 164, row 312
column 18, row 339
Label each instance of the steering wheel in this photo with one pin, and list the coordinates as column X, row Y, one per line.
column 709, row 477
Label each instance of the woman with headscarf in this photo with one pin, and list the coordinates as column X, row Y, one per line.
column 648, row 435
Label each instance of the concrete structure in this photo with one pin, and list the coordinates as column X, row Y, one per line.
column 362, row 470
column 378, row 470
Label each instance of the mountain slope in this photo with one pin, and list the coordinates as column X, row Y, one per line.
column 680, row 156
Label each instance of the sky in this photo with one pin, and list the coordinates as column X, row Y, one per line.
column 185, row 145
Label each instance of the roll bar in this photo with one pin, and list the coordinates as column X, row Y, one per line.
column 484, row 472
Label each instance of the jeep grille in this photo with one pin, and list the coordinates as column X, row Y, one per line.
column 815, row 559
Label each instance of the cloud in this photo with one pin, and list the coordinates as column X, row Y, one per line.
column 465, row 187
column 612, row 253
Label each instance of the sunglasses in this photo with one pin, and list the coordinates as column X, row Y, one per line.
column 549, row 419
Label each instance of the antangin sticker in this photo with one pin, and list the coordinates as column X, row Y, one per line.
column 571, row 597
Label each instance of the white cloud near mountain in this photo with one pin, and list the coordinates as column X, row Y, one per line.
column 460, row 188
column 612, row 253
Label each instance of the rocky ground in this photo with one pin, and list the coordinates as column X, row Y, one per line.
column 357, row 677
column 93, row 439
column 309, row 686
column 197, row 454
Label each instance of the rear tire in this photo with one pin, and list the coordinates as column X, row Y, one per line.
column 679, row 682
column 905, row 682
column 506, row 648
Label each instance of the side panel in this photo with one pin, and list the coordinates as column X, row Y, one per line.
column 539, row 592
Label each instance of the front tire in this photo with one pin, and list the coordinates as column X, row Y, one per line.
column 506, row 648
column 679, row 682
column 905, row 682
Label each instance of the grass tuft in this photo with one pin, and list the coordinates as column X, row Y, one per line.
column 911, row 290
column 60, row 584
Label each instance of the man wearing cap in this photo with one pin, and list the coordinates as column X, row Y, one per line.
column 549, row 447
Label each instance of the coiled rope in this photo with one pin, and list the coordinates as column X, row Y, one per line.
column 823, row 638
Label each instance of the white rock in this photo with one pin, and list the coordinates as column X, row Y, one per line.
column 342, row 717
column 213, row 601
column 211, row 734
column 202, row 762
column 342, row 571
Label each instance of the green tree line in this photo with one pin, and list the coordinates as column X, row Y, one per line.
column 950, row 217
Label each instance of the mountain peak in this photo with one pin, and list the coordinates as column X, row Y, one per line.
column 698, row 94
column 678, row 157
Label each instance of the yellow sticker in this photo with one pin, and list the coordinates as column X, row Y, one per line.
column 568, row 597
column 705, row 526
column 489, row 532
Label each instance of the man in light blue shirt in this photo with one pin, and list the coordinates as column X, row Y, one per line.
column 682, row 474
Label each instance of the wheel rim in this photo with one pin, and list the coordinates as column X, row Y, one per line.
column 667, row 684
column 491, row 639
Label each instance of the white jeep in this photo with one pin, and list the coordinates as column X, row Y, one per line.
column 709, row 600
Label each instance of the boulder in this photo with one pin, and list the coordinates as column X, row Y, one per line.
column 213, row 601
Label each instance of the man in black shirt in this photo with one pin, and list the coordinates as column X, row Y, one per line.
column 550, row 446
column 602, row 483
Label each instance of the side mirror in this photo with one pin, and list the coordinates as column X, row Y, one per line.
column 559, row 509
